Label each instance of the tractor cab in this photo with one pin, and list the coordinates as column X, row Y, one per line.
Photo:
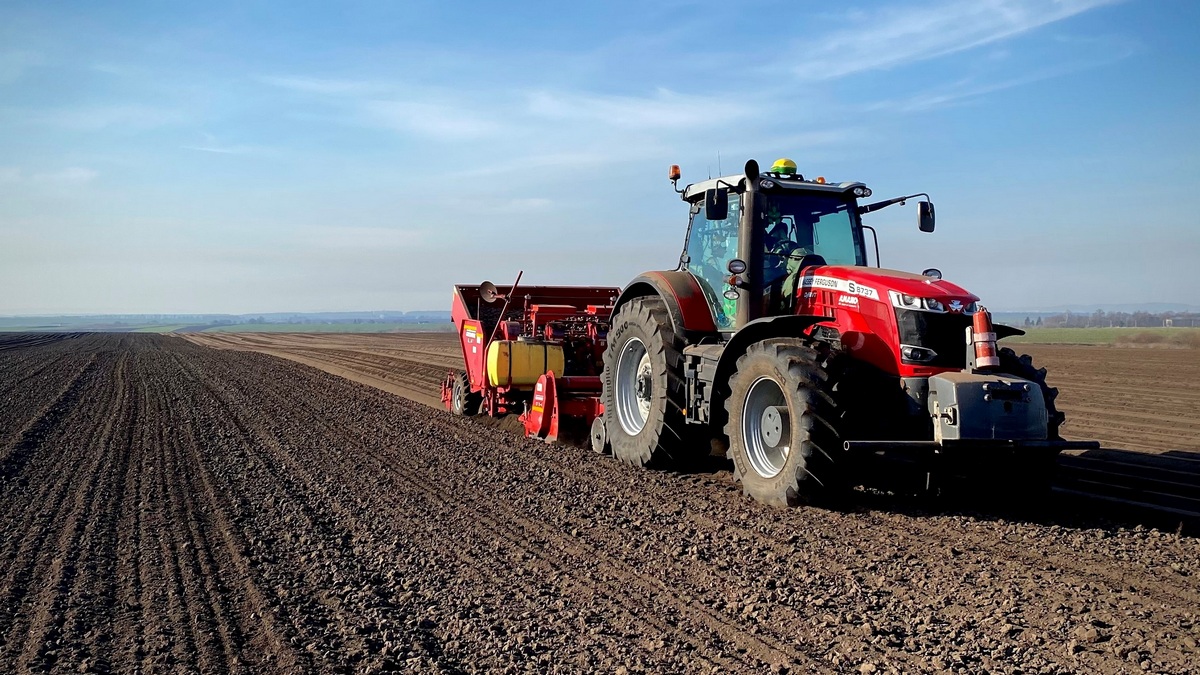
column 774, row 227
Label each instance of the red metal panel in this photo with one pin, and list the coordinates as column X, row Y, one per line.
column 542, row 414
column 474, row 356
column 865, row 317
column 556, row 399
column 689, row 297
column 685, row 300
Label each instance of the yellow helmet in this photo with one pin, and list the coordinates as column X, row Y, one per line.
column 783, row 165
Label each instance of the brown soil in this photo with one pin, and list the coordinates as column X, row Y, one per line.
column 1135, row 399
column 412, row 365
column 165, row 507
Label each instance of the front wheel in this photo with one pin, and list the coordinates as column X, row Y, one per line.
column 781, row 436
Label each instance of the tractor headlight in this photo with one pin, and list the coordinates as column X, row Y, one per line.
column 906, row 301
column 917, row 354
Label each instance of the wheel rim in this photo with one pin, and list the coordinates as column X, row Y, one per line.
column 766, row 428
column 634, row 387
column 457, row 393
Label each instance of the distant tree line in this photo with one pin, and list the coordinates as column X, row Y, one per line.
column 1102, row 319
column 317, row 321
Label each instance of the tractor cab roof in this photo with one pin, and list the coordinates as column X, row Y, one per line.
column 696, row 191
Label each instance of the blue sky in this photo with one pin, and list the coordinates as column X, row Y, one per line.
column 253, row 157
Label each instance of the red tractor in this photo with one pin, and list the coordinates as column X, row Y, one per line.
column 775, row 338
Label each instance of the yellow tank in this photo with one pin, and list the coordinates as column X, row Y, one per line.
column 511, row 363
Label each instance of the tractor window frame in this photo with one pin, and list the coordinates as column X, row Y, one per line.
column 848, row 204
column 709, row 275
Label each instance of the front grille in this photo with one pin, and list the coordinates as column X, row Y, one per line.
column 943, row 333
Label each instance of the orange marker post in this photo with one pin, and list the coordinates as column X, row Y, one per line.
column 984, row 338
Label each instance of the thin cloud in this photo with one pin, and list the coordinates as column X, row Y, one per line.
column 95, row 118
column 442, row 121
column 325, row 87
column 968, row 89
column 363, row 238
column 72, row 175
column 664, row 110
column 419, row 113
column 590, row 157
column 14, row 64
column 525, row 205
column 114, row 69
column 894, row 37
column 227, row 149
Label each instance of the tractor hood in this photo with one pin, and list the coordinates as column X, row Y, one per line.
column 875, row 283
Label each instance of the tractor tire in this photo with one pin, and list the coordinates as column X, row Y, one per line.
column 1022, row 366
column 781, row 410
column 644, row 389
column 463, row 401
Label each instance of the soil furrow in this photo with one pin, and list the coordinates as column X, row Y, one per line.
column 59, row 566
column 184, row 509
column 499, row 527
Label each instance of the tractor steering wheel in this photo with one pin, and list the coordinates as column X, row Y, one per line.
column 789, row 250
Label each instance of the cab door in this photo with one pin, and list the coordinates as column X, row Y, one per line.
column 711, row 245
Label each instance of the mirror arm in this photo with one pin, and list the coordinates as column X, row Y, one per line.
column 888, row 202
column 876, row 238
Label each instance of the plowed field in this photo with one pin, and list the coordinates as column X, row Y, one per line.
column 1136, row 398
column 1140, row 399
column 166, row 507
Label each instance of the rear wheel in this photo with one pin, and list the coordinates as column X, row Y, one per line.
column 781, row 413
column 462, row 400
column 643, row 388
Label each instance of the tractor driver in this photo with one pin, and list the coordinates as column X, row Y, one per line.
column 786, row 241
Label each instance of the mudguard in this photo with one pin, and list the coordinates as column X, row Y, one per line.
column 755, row 331
column 1002, row 331
column 689, row 311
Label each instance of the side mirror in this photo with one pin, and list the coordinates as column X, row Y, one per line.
column 925, row 216
column 716, row 204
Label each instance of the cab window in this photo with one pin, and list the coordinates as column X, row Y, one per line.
column 711, row 245
column 798, row 224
